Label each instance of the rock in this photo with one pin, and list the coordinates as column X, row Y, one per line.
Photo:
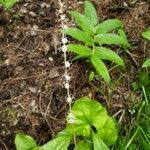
column 50, row 59
column 18, row 69
column 33, row 89
column 33, row 30
column 32, row 14
column 53, row 73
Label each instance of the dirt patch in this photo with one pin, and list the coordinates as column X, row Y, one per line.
column 31, row 72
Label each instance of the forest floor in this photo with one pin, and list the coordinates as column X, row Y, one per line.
column 32, row 94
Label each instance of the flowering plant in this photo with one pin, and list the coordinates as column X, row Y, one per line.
column 93, row 128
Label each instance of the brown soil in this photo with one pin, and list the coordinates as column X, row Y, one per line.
column 32, row 96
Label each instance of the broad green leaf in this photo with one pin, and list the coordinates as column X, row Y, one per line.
column 107, row 54
column 79, row 128
column 61, row 142
column 90, row 12
column 83, row 145
column 98, row 143
column 84, row 113
column 83, row 22
column 100, row 67
column 109, row 39
column 79, row 35
column 146, row 34
column 109, row 132
column 24, row 142
column 122, row 34
column 108, row 25
column 146, row 63
column 80, row 49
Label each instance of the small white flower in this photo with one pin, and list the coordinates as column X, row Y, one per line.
column 64, row 40
column 64, row 48
column 67, row 85
column 62, row 17
column 69, row 99
column 71, row 121
column 71, row 118
column 67, row 64
column 67, row 77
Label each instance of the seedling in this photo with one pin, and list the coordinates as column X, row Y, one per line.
column 94, row 37
column 8, row 3
column 93, row 128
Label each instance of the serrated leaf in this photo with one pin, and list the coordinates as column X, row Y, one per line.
column 100, row 67
column 82, row 22
column 109, row 39
column 79, row 35
column 61, row 142
column 98, row 143
column 107, row 54
column 146, row 34
column 146, row 63
column 80, row 49
column 109, row 132
column 90, row 12
column 84, row 113
column 108, row 25
column 24, row 142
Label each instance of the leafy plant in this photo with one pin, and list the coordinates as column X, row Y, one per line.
column 94, row 37
column 146, row 63
column 93, row 129
column 146, row 35
column 8, row 3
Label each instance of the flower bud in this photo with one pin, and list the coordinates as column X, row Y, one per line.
column 67, row 64
column 64, row 40
column 64, row 48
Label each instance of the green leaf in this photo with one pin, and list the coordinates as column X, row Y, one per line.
column 109, row 132
column 122, row 34
column 146, row 34
column 146, row 63
column 79, row 35
column 8, row 3
column 83, row 22
column 98, row 143
column 83, row 145
column 109, row 39
column 24, row 142
column 61, row 142
column 91, row 76
column 107, row 54
column 108, row 25
column 100, row 67
column 90, row 12
column 84, row 113
column 80, row 49
column 79, row 128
